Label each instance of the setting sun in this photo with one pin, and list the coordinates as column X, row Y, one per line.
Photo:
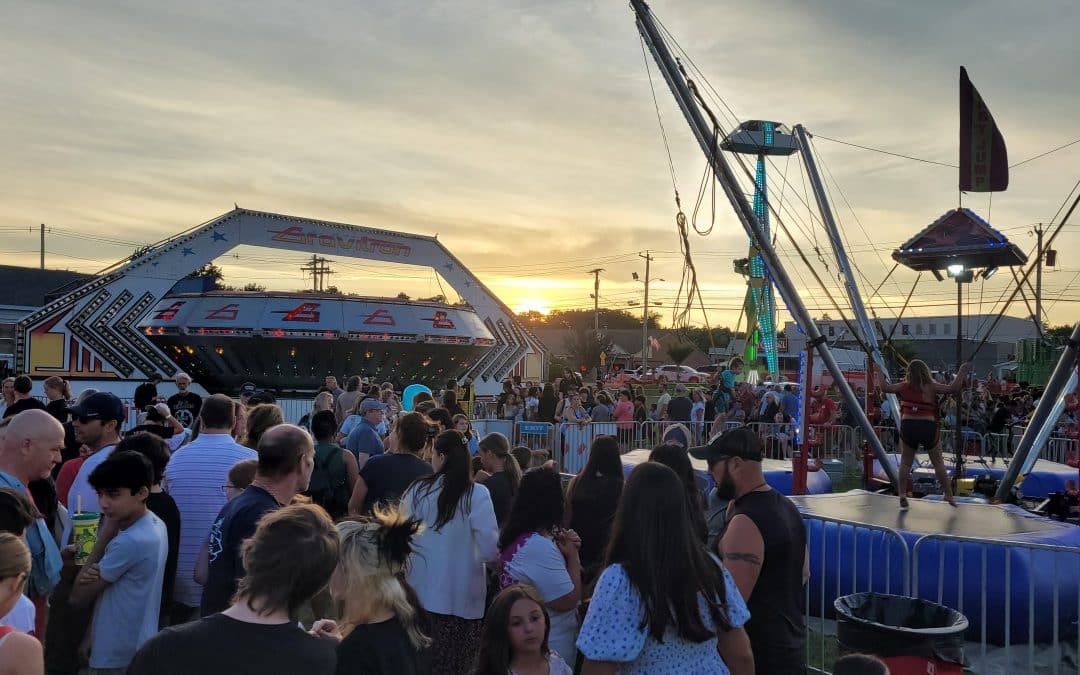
column 531, row 305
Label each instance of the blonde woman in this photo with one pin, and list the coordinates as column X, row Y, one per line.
column 920, row 420
column 324, row 400
column 20, row 654
column 379, row 632
column 259, row 419
column 58, row 391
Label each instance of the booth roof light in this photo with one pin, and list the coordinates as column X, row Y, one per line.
column 955, row 269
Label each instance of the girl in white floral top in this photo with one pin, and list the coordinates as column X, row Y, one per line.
column 664, row 604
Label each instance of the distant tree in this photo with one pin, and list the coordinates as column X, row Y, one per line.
column 679, row 351
column 611, row 319
column 1063, row 331
column 254, row 287
column 825, row 317
column 403, row 296
column 584, row 347
column 699, row 336
column 435, row 298
column 208, row 271
column 533, row 319
column 333, row 290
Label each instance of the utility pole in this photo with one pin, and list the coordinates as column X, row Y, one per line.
column 1038, row 277
column 596, row 297
column 319, row 270
column 43, row 246
column 645, row 317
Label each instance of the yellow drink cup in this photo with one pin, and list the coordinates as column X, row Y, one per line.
column 85, row 529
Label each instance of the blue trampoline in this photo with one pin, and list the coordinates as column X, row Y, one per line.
column 777, row 474
column 1045, row 477
column 990, row 580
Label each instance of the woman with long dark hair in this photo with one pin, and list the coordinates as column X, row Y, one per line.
column 920, row 420
column 450, row 402
column 591, row 500
column 545, row 410
column 534, row 551
column 502, row 473
column 677, row 459
column 515, row 639
column 662, row 602
column 446, row 567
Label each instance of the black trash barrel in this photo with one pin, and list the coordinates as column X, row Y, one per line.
column 911, row 635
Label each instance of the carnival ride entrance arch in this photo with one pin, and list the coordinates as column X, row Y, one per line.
column 91, row 331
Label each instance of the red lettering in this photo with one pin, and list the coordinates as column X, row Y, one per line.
column 169, row 313
column 306, row 312
column 224, row 313
column 440, row 320
column 380, row 317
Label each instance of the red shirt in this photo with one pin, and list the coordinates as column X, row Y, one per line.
column 66, row 477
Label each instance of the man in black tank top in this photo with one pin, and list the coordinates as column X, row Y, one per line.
column 764, row 548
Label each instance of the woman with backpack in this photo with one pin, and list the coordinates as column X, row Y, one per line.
column 335, row 473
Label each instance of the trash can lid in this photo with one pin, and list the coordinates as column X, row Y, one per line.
column 901, row 614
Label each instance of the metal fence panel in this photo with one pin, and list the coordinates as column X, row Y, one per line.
column 847, row 558
column 1022, row 597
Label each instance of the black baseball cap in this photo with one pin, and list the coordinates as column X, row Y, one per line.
column 248, row 388
column 100, row 405
column 740, row 442
column 262, row 396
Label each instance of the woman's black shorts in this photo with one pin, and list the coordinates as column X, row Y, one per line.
column 919, row 432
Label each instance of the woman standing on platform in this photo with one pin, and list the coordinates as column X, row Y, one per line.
column 920, row 421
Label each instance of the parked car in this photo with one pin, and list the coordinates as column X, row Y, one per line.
column 673, row 373
column 710, row 369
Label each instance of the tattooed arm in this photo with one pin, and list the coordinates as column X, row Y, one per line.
column 743, row 552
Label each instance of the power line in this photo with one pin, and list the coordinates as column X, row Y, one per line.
column 885, row 152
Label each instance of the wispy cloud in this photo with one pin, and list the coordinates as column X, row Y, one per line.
column 522, row 132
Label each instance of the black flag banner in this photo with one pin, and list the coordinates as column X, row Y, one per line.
column 984, row 161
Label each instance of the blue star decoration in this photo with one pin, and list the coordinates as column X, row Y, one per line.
column 188, row 251
column 218, row 236
column 449, row 267
column 156, row 263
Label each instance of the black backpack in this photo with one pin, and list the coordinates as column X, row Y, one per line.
column 328, row 487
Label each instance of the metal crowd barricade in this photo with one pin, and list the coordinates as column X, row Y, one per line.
column 487, row 426
column 535, row 436
column 575, row 439
column 1061, row 450
column 847, row 557
column 293, row 409
column 999, row 445
column 973, row 443
column 1022, row 600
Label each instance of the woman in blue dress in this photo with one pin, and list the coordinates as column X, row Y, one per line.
column 663, row 604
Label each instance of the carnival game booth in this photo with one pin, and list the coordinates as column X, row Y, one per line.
column 778, row 474
column 998, row 564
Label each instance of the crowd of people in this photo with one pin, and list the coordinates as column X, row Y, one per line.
column 379, row 537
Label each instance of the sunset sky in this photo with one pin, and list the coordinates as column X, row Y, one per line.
column 523, row 133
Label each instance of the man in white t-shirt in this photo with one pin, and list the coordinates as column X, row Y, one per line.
column 97, row 423
column 662, row 402
column 194, row 478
